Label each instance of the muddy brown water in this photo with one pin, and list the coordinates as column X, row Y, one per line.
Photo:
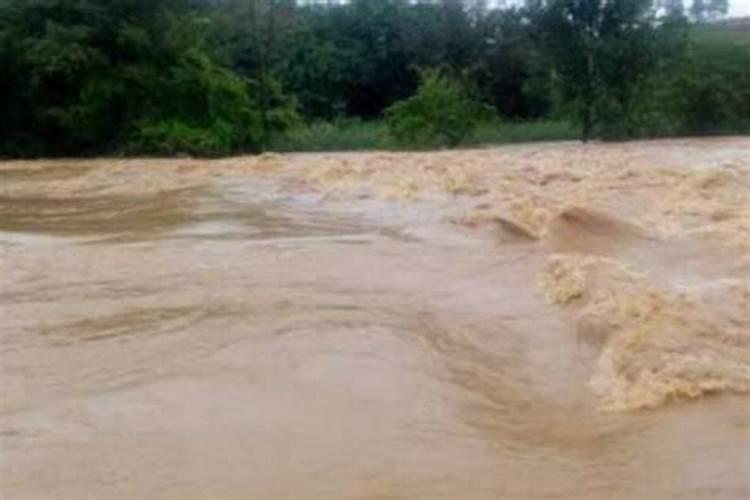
column 535, row 322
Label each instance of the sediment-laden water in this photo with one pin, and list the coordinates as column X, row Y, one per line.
column 553, row 321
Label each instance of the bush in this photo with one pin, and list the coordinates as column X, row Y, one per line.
column 440, row 113
column 170, row 137
column 208, row 110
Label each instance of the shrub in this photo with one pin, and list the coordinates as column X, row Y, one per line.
column 208, row 110
column 170, row 137
column 440, row 113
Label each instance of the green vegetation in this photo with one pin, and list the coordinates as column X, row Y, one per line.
column 498, row 132
column 441, row 113
column 358, row 135
column 603, row 54
column 711, row 94
column 218, row 77
column 348, row 134
column 138, row 76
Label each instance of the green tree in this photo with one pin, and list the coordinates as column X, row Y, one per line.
column 511, row 72
column 317, row 71
column 440, row 113
column 708, row 92
column 87, row 77
column 256, row 29
column 603, row 53
column 214, row 77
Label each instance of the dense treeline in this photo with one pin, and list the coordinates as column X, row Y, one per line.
column 213, row 77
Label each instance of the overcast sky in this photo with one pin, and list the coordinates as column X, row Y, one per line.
column 739, row 7
column 736, row 7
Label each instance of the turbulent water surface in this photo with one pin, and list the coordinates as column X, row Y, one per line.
column 536, row 322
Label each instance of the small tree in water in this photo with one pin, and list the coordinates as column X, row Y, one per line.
column 440, row 113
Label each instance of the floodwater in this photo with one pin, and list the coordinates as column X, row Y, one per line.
column 554, row 321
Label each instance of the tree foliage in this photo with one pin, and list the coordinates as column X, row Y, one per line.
column 440, row 113
column 603, row 53
column 710, row 91
column 84, row 77
column 216, row 77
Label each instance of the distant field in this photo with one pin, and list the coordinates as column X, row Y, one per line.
column 722, row 35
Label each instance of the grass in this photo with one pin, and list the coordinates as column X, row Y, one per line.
column 721, row 35
column 519, row 132
column 340, row 135
column 356, row 135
